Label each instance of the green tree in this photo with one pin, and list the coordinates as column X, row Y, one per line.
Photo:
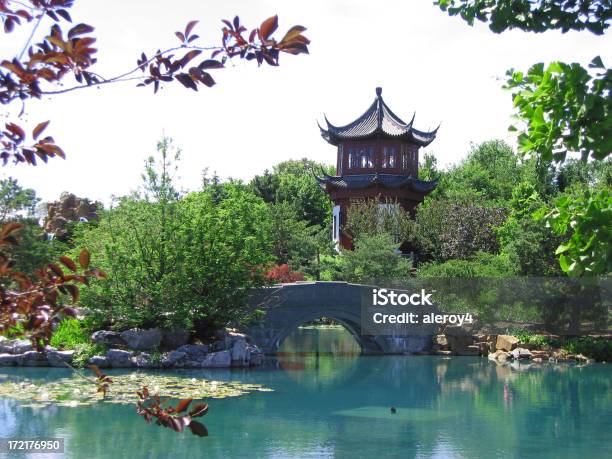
column 527, row 243
column 563, row 108
column 368, row 217
column 16, row 201
column 480, row 265
column 175, row 261
column 488, row 173
column 293, row 182
column 448, row 229
column 375, row 260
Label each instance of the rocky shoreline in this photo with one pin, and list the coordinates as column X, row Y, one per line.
column 138, row 348
column 501, row 348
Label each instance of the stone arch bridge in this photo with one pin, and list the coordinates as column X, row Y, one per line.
column 288, row 306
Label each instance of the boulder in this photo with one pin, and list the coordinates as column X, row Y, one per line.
column 59, row 358
column 240, row 356
column 458, row 339
column 172, row 358
column 142, row 340
column 99, row 360
column 256, row 356
column 195, row 352
column 219, row 359
column 520, row 353
column 143, row 360
column 483, row 346
column 471, row 350
column 441, row 342
column 459, row 344
column 443, row 353
column 506, row 342
column 119, row 359
column 172, row 339
column 109, row 338
column 499, row 356
column 15, row 346
column 34, row 359
column 10, row 360
column 584, row 359
column 544, row 355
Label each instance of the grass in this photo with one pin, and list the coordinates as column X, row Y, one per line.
column 528, row 337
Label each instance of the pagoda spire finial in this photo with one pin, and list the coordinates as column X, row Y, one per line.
column 378, row 91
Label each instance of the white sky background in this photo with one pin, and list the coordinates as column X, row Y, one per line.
column 425, row 61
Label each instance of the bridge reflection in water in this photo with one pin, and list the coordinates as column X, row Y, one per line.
column 328, row 350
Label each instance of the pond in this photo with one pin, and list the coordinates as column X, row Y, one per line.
column 334, row 403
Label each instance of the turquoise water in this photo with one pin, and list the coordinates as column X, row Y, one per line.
column 337, row 404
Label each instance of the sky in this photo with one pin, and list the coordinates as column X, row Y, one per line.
column 426, row 62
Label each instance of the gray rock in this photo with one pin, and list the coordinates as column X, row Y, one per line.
column 119, row 359
column 256, row 356
column 142, row 340
column 172, row 358
column 219, row 359
column 520, row 353
column 10, row 360
column 59, row 358
column 195, row 352
column 143, row 360
column 15, row 346
column 110, row 338
column 99, row 360
column 240, row 356
column 171, row 339
column 34, row 359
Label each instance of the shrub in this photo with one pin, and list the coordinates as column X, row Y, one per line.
column 179, row 263
column 597, row 348
column 283, row 274
column 375, row 260
column 68, row 335
column 480, row 265
column 85, row 351
column 528, row 337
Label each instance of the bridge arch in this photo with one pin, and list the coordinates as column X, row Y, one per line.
column 337, row 315
column 288, row 306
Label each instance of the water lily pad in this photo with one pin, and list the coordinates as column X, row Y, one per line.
column 77, row 391
column 401, row 414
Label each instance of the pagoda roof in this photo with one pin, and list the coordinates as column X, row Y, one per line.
column 360, row 181
column 377, row 121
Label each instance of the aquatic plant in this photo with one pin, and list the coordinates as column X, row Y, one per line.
column 77, row 390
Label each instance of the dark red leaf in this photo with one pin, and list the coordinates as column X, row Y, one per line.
column 183, row 405
column 210, row 64
column 39, row 129
column 84, row 258
column 198, row 429
column 268, row 27
column 189, row 28
column 68, row 263
column 80, row 29
column 199, row 410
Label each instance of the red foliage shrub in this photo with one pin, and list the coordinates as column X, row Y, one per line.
column 283, row 274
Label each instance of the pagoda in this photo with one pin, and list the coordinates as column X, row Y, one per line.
column 378, row 158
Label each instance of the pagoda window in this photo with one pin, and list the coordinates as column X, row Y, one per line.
column 388, row 157
column 405, row 161
column 361, row 158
